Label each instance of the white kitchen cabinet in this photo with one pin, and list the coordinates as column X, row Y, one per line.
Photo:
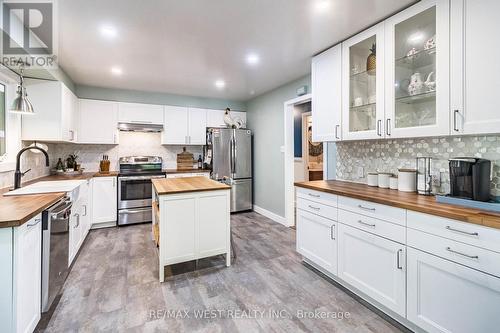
column 56, row 113
column 326, row 77
column 27, row 275
column 475, row 79
column 98, row 122
column 140, row 113
column 317, row 240
column 215, row 118
column 447, row 297
column 104, row 200
column 363, row 86
column 374, row 265
column 190, row 174
column 184, row 126
column 175, row 126
column 417, row 75
column 197, row 126
column 75, row 231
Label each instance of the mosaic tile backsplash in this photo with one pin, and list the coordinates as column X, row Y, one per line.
column 389, row 155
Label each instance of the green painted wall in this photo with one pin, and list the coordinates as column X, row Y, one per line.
column 133, row 96
column 265, row 119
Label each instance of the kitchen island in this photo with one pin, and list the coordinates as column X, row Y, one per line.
column 191, row 220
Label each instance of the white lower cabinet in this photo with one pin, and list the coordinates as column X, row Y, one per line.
column 316, row 240
column 447, row 297
column 20, row 276
column 374, row 265
column 104, row 200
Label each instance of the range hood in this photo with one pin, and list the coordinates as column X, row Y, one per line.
column 139, row 127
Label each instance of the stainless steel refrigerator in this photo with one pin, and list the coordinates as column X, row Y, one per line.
column 229, row 155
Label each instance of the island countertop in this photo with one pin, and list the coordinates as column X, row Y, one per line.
column 185, row 185
column 405, row 200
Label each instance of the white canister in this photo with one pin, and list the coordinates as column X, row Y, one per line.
column 393, row 183
column 407, row 180
column 383, row 179
column 372, row 179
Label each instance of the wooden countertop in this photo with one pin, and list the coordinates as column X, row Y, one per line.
column 16, row 210
column 185, row 170
column 405, row 200
column 185, row 185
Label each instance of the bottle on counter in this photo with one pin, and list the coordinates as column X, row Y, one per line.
column 200, row 162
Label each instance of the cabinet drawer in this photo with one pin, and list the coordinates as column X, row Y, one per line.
column 468, row 255
column 317, row 208
column 487, row 238
column 375, row 226
column 383, row 212
column 317, row 196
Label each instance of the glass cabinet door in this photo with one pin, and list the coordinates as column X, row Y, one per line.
column 363, row 81
column 417, row 74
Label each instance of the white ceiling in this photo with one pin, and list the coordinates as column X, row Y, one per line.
column 184, row 46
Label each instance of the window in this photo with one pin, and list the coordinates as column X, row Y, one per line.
column 3, row 146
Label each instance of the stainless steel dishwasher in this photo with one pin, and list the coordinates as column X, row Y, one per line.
column 55, row 250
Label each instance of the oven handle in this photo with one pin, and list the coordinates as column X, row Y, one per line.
column 140, row 177
column 133, row 211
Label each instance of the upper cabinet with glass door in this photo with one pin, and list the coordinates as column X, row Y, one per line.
column 417, row 71
column 363, row 85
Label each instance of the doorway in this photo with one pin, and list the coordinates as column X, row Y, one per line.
column 312, row 163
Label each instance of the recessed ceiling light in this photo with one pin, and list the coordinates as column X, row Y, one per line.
column 322, row 5
column 108, row 31
column 220, row 84
column 252, row 92
column 253, row 59
column 116, row 70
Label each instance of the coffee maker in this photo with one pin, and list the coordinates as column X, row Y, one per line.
column 470, row 178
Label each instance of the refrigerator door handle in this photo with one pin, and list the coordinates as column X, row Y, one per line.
column 232, row 155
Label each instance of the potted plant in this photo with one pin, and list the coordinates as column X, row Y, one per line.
column 71, row 163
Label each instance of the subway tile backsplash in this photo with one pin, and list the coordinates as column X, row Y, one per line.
column 389, row 155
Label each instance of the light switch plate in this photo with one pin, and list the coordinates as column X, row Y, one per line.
column 361, row 172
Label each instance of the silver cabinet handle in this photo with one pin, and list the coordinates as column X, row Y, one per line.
column 455, row 123
column 366, row 208
column 461, row 231
column 114, row 182
column 398, row 259
column 34, row 223
column 449, row 249
column 77, row 221
column 314, row 195
column 85, row 207
column 388, row 126
column 114, row 138
column 367, row 224
column 332, row 233
column 315, row 208
column 337, row 131
column 379, row 127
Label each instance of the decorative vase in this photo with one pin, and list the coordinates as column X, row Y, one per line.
column 371, row 61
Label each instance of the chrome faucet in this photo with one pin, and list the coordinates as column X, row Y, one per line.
column 18, row 174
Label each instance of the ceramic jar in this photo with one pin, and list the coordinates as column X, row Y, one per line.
column 407, row 180
column 372, row 179
column 383, row 179
column 393, row 183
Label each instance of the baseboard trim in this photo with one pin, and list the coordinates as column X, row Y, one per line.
column 103, row 225
column 271, row 215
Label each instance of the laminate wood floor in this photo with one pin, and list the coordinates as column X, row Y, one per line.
column 113, row 287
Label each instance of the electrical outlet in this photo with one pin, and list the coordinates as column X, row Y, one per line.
column 361, row 172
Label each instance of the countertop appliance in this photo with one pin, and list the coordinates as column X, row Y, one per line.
column 470, row 178
column 228, row 154
column 55, row 249
column 134, row 188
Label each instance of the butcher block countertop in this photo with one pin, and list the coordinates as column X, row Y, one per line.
column 186, row 170
column 186, row 185
column 405, row 200
column 18, row 209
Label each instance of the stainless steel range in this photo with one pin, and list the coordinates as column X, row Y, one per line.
column 134, row 188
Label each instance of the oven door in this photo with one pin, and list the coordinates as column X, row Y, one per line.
column 135, row 191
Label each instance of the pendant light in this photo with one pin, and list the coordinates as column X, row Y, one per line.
column 21, row 103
